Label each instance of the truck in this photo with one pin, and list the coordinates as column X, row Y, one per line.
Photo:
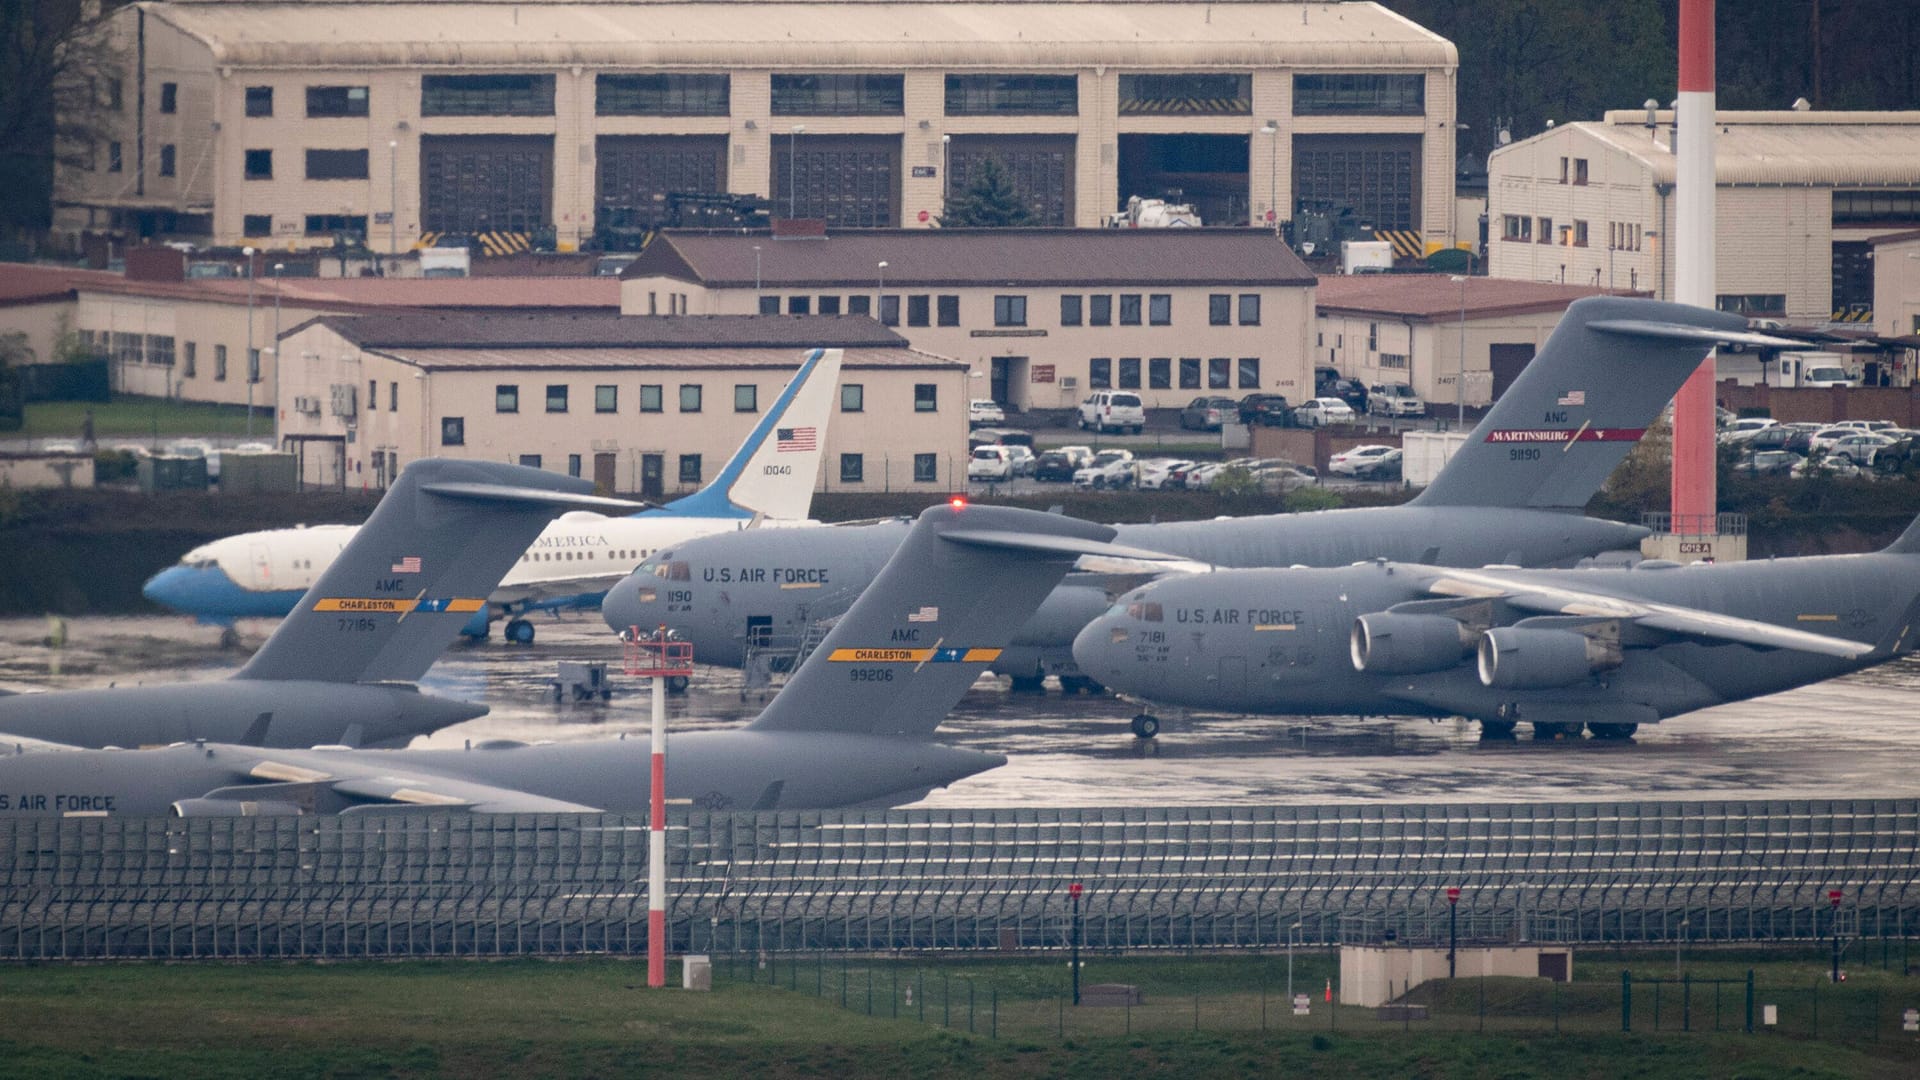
column 1365, row 256
column 1154, row 214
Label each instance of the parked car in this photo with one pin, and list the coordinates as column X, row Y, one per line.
column 1767, row 463
column 1321, row 411
column 1109, row 469
column 1386, row 467
column 1744, row 428
column 1395, row 399
column 1865, row 425
column 1022, row 457
column 1202, row 478
column 984, row 411
column 1861, row 447
column 1323, row 377
column 1773, row 437
column 1822, row 465
column 1267, row 410
column 1054, row 466
column 1822, row 441
column 1351, row 391
column 1896, row 457
column 1082, row 456
column 1155, row 474
column 1206, row 413
column 1113, row 410
column 1274, row 476
column 1178, row 477
column 60, row 446
column 1351, row 462
column 990, row 463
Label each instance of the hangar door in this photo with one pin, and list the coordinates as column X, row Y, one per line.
column 1507, row 362
column 1041, row 167
column 852, row 181
column 1207, row 171
column 637, row 171
column 486, row 183
column 1376, row 176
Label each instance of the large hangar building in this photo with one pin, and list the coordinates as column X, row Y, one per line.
column 288, row 124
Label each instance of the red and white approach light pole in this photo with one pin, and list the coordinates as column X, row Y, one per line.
column 1695, row 500
column 657, row 659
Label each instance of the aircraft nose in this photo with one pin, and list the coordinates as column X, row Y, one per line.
column 632, row 602
column 1095, row 651
column 175, row 586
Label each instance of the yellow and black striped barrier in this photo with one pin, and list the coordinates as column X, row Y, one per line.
column 1407, row 243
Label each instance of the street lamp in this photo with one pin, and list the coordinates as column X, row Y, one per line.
column 393, row 200
column 1834, row 896
column 1290, row 931
column 1678, row 944
column 793, row 168
column 1460, row 379
column 1073, row 891
column 1272, row 132
column 756, row 268
column 278, row 269
column 946, row 174
column 248, row 252
column 882, row 270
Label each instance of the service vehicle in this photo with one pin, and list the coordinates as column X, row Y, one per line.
column 1113, row 410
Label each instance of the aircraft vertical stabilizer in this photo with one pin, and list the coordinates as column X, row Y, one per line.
column 774, row 472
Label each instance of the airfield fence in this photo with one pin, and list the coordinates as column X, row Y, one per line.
column 1162, row 878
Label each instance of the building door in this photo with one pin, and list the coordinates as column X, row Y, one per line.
column 653, row 470
column 1553, row 966
column 603, row 472
column 1507, row 362
column 1004, row 378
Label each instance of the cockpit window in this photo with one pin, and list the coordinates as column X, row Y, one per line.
column 204, row 562
column 1144, row 611
column 673, row 571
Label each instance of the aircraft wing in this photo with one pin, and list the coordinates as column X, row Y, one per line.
column 556, row 588
column 23, row 744
column 1670, row 618
column 369, row 781
column 412, row 792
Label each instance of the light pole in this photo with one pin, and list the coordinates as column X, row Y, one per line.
column 1453, row 930
column 882, row 270
column 1678, row 944
column 793, row 168
column 756, row 269
column 1460, row 379
column 1290, row 931
column 393, row 200
column 248, row 252
column 1073, row 891
column 278, row 269
column 946, row 174
column 1834, row 896
column 1272, row 132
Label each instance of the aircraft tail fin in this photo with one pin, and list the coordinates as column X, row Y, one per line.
column 1606, row 372
column 1907, row 543
column 439, row 542
column 937, row 615
column 773, row 473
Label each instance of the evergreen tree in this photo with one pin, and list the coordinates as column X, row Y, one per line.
column 989, row 201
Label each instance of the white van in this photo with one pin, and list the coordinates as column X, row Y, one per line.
column 1113, row 410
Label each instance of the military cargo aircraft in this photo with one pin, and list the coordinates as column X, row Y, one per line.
column 769, row 481
column 1511, row 494
column 852, row 726
column 1557, row 649
column 340, row 669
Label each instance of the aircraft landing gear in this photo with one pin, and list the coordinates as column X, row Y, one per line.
column 1555, row 731
column 1613, row 732
column 1496, row 729
column 229, row 638
column 1146, row 726
column 519, row 632
column 676, row 684
column 1079, row 684
column 1027, row 684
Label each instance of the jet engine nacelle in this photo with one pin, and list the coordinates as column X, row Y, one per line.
column 1517, row 658
column 1383, row 643
column 210, row 808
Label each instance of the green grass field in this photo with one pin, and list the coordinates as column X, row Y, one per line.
column 137, row 419
column 595, row 1017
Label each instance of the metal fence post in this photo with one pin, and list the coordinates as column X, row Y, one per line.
column 1626, row 1000
column 994, row 1032
column 1686, row 1001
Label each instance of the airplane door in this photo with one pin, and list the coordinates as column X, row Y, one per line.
column 653, row 468
column 759, row 630
column 261, row 560
column 1233, row 677
column 603, row 473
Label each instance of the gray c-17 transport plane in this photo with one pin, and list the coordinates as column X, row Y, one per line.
column 341, row 667
column 1609, row 649
column 1511, row 494
column 852, row 727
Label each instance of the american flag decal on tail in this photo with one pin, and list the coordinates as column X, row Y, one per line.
column 925, row 614
column 408, row 565
column 789, row 440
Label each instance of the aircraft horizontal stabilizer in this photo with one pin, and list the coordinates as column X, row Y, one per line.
column 1644, row 328
column 510, row 495
column 1051, row 545
column 449, row 793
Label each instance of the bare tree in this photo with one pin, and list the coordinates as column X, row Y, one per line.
column 60, row 73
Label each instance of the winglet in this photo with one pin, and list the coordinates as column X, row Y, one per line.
column 774, row 471
column 1607, row 371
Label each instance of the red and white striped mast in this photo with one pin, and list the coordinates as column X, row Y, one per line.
column 657, row 659
column 1695, row 498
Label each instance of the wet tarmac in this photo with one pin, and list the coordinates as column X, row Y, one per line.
column 1848, row 738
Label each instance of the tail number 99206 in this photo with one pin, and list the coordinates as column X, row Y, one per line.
column 869, row 674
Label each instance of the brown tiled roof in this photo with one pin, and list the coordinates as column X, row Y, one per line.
column 375, row 294
column 547, row 330
column 506, row 358
column 32, row 283
column 1437, row 296
column 978, row 257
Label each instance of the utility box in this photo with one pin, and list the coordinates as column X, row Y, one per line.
column 1365, row 256
column 580, row 680
column 253, row 473
column 168, row 472
column 696, row 972
column 1425, row 453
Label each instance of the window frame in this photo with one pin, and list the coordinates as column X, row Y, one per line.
column 453, row 431
column 1249, row 303
column 659, row 396
column 853, row 468
column 698, row 397
column 338, row 102
column 926, row 397
column 751, row 392
column 606, row 398
column 557, row 397
column 1072, row 309
column 1159, row 309
column 858, row 392
column 1010, row 310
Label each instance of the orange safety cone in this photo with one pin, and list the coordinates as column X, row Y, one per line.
column 1329, row 989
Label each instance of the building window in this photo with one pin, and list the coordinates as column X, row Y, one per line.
column 652, row 398
column 662, row 95
column 1563, row 170
column 1219, row 309
column 259, row 101
column 127, row 348
column 453, row 431
column 351, row 225
column 159, row 350
column 1249, row 309
column 1186, row 95
column 926, row 468
column 1100, row 373
column 1009, row 311
column 1359, row 95
column 337, row 164
column 532, row 461
column 860, row 305
column 1249, row 373
column 1516, row 227
column 556, row 397
column 1579, row 234
column 1218, row 370
column 947, row 310
column 1546, row 230
column 1880, row 208
column 799, row 305
column 769, row 305
column 689, row 397
column 373, row 395
column 167, row 159
column 1160, row 373
column 1100, row 310
column 606, row 399
column 1013, row 95
column 1189, row 373
column 393, row 396
column 253, row 365
column 1129, row 309
column 219, row 363
column 746, row 398
column 1069, row 310
column 1393, row 360
column 1129, row 373
column 113, row 157
column 1753, row 305
column 325, row 101
column 257, row 225
column 890, row 311
column 573, row 464
column 853, row 397
column 1160, row 309
column 115, row 94
column 1579, row 170
column 486, row 95
column 852, row 468
column 926, row 397
column 690, row 468
column 169, row 97
column 829, row 305
column 190, row 366
column 838, row 95
column 259, row 164
column 919, row 310
column 1373, row 337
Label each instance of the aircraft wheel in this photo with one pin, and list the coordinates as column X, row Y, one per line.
column 1074, row 684
column 1496, row 729
column 229, row 638
column 1555, row 731
column 1027, row 684
column 1613, row 731
column 1146, row 726
column 676, row 684
column 520, row 632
